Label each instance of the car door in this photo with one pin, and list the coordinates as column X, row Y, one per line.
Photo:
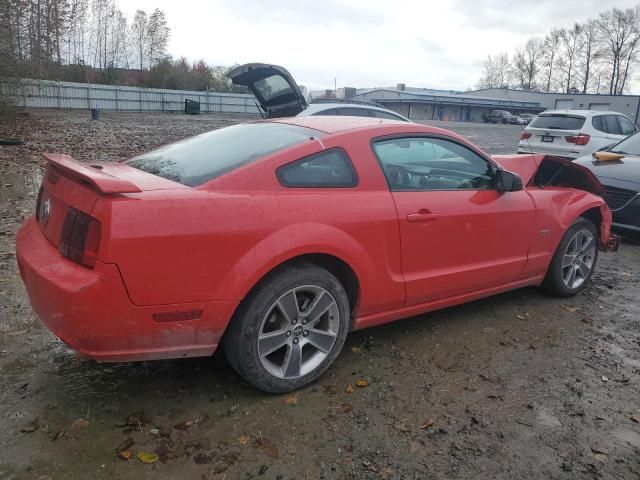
column 458, row 233
column 273, row 87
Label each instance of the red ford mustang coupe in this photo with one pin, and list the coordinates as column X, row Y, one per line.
column 276, row 238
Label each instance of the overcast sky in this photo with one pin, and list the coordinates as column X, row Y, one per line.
column 364, row 43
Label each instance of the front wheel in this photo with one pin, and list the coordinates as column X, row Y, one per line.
column 574, row 261
column 289, row 329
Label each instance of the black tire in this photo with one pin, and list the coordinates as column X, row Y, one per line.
column 240, row 340
column 554, row 282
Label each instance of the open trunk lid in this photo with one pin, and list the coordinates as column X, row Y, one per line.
column 273, row 86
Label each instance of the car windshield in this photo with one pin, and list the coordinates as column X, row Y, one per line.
column 197, row 160
column 628, row 146
column 558, row 122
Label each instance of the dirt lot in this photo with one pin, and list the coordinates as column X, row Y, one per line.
column 516, row 386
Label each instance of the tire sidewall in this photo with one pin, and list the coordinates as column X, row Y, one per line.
column 240, row 340
column 554, row 281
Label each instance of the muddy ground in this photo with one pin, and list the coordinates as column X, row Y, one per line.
column 516, row 386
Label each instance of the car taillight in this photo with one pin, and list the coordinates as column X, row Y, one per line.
column 525, row 136
column 80, row 239
column 581, row 139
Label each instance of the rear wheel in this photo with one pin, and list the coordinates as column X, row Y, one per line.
column 574, row 261
column 289, row 330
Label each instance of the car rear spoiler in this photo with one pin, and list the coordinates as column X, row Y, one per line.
column 91, row 175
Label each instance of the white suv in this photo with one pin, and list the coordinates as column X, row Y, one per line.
column 573, row 133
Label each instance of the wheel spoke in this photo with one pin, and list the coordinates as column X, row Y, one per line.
column 572, row 276
column 584, row 269
column 322, row 340
column 587, row 246
column 292, row 361
column 288, row 305
column 272, row 341
column 321, row 304
column 567, row 260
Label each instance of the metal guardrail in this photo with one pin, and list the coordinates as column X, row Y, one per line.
column 51, row 94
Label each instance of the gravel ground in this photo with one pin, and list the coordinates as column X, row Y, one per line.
column 520, row 385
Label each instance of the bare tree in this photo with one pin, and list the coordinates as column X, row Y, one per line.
column 139, row 31
column 572, row 44
column 617, row 29
column 158, row 36
column 527, row 62
column 551, row 45
column 495, row 71
column 589, row 37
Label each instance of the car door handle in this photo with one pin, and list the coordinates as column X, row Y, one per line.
column 422, row 216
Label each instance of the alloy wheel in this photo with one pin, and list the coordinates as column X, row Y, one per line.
column 298, row 332
column 578, row 259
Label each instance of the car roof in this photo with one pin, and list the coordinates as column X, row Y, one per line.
column 581, row 113
column 314, row 108
column 334, row 124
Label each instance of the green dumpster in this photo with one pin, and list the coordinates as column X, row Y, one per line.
column 191, row 107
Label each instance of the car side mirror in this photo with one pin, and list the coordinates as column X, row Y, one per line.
column 508, row 181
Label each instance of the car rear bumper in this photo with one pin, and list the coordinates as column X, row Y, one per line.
column 523, row 147
column 90, row 310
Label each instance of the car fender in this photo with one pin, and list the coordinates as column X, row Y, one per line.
column 290, row 242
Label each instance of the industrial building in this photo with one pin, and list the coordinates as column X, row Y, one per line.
column 428, row 104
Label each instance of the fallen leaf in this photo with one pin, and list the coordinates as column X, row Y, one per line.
column 79, row 424
column 146, row 457
column 602, row 457
column 356, row 349
column 183, row 425
column 349, row 389
column 125, row 445
column 346, row 407
column 32, row 427
column 600, row 450
column 426, row 424
column 243, row 439
column 125, row 455
column 570, row 309
column 291, row 400
column 268, row 446
column 330, row 389
column 362, row 383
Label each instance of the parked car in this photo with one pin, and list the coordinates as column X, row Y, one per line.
column 527, row 117
column 618, row 169
column 276, row 238
column 351, row 109
column 574, row 133
column 499, row 116
column 278, row 95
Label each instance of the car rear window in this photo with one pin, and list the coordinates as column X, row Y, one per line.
column 558, row 122
column 198, row 159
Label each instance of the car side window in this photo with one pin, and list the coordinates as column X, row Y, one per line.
column 329, row 169
column 353, row 112
column 424, row 163
column 612, row 125
column 626, row 126
column 330, row 111
column 599, row 124
column 381, row 114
